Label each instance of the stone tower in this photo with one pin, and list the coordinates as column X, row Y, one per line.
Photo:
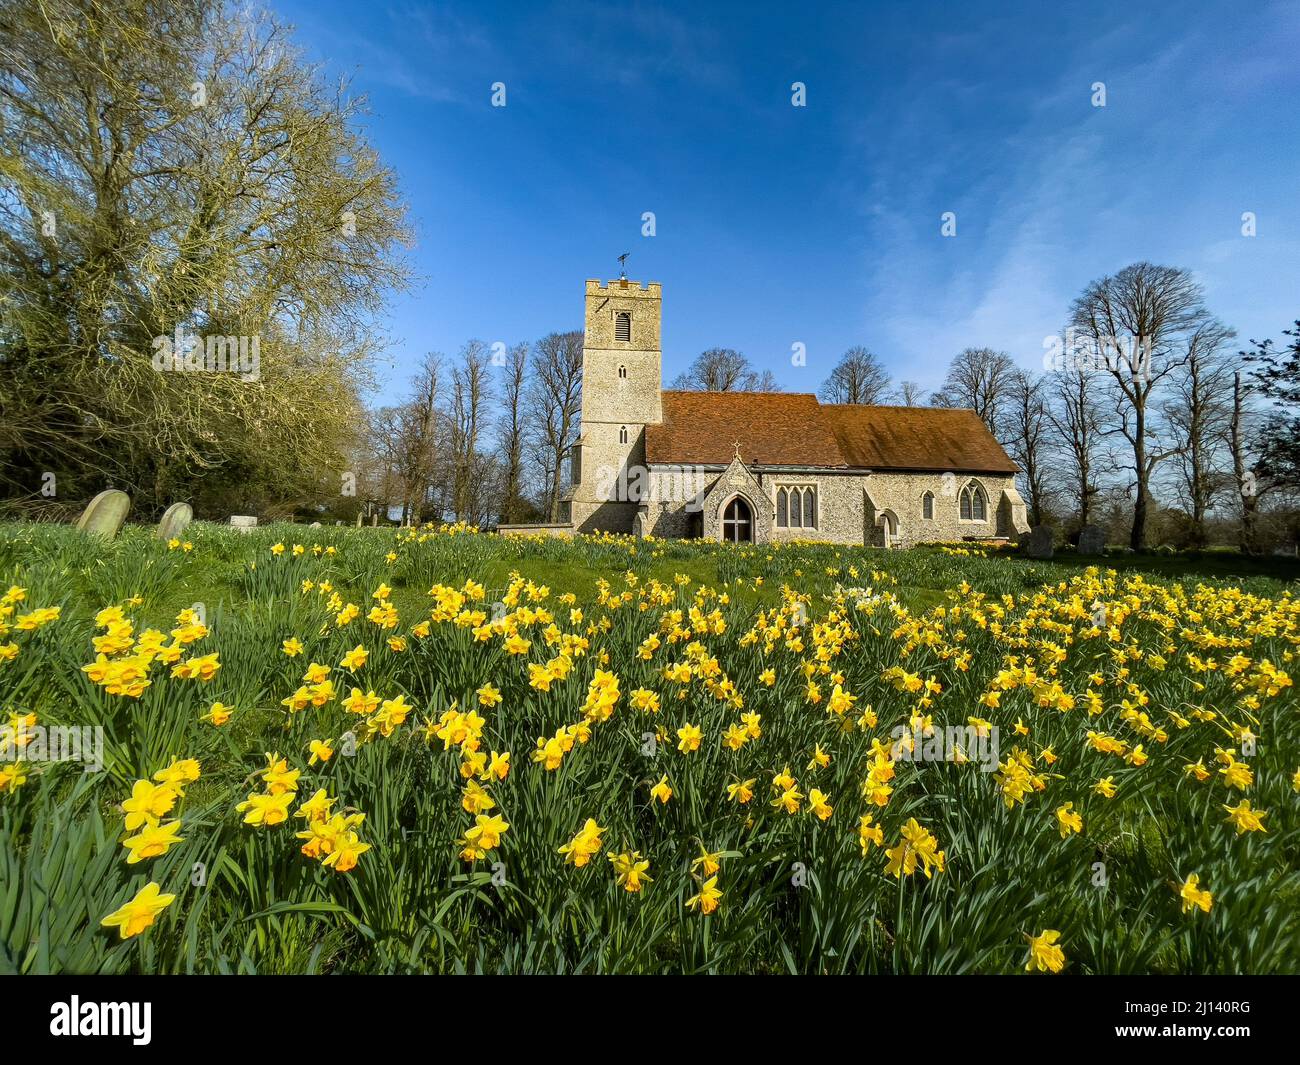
column 620, row 397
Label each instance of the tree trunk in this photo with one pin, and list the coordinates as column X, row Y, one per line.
column 1245, row 485
column 1138, row 537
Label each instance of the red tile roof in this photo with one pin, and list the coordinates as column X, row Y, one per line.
column 793, row 429
column 916, row 438
column 773, row 428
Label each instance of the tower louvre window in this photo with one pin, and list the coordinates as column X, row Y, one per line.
column 623, row 326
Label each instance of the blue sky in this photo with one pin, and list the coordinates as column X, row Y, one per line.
column 821, row 224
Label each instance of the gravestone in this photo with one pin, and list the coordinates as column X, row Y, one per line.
column 1038, row 544
column 314, row 525
column 1092, row 540
column 174, row 520
column 243, row 522
column 105, row 513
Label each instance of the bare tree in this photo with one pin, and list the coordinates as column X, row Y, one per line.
column 1199, row 412
column 511, row 434
column 1076, row 421
column 1026, row 432
column 554, row 404
column 858, row 378
column 724, row 370
column 1137, row 322
column 978, row 378
column 419, row 438
column 1247, row 490
column 471, row 393
column 908, row 394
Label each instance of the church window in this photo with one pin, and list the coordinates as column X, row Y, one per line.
column 796, row 507
column 927, row 506
column 622, row 435
column 623, row 325
column 622, row 372
column 972, row 503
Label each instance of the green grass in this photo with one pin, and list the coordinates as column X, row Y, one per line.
column 412, row 904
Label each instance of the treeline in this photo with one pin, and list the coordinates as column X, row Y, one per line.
column 191, row 267
column 1147, row 417
column 485, row 437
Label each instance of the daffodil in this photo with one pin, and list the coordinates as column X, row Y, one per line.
column 708, row 897
column 1044, row 954
column 152, row 841
column 630, row 870
column 1194, row 896
column 138, row 914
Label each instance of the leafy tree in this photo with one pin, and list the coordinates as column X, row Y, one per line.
column 174, row 166
column 1277, row 377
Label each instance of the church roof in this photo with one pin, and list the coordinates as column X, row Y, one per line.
column 773, row 429
column 793, row 429
column 916, row 438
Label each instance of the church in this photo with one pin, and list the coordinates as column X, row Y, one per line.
column 764, row 467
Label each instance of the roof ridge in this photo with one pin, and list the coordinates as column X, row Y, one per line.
column 902, row 406
column 732, row 392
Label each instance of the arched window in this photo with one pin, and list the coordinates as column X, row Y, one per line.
column 623, row 325
column 796, row 508
column 927, row 506
column 622, row 435
column 973, row 504
column 622, row 372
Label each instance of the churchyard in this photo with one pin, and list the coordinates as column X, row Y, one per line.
column 331, row 749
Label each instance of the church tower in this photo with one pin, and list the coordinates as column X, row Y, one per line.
column 620, row 396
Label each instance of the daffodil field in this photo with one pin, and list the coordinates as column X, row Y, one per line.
column 437, row 750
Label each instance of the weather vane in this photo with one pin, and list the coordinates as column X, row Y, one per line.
column 622, row 266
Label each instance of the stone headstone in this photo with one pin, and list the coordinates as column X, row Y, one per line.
column 105, row 513
column 174, row 520
column 243, row 522
column 1038, row 544
column 358, row 519
column 1092, row 540
column 374, row 520
column 314, row 525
